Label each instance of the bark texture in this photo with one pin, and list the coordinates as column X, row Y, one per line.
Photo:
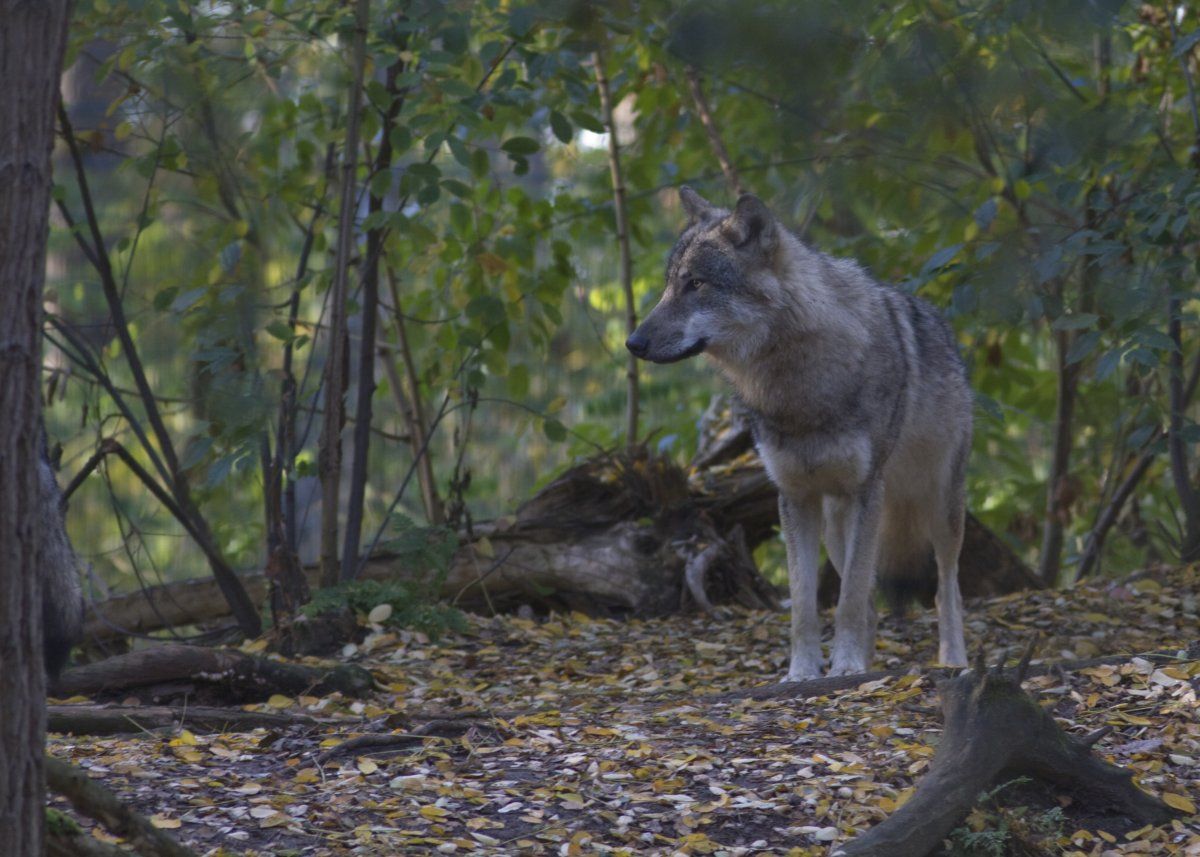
column 32, row 39
column 994, row 733
column 208, row 675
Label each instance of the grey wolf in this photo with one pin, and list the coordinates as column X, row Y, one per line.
column 62, row 593
column 860, row 408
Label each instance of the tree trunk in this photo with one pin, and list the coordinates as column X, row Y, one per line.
column 32, row 39
column 330, row 457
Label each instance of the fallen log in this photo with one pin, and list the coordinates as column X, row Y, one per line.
column 995, row 732
column 207, row 675
column 615, row 535
column 87, row 719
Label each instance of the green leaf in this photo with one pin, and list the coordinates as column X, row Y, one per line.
column 459, row 189
column 554, row 430
column 1078, row 321
column 561, row 127
column 941, row 258
column 520, row 145
column 1082, row 347
column 587, row 121
column 279, row 330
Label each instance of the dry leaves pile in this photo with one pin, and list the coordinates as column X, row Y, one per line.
column 577, row 736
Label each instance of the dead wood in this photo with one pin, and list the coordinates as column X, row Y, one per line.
column 97, row 802
column 615, row 535
column 995, row 732
column 224, row 675
column 132, row 719
column 610, row 536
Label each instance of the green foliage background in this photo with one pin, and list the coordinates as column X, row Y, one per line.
column 1028, row 166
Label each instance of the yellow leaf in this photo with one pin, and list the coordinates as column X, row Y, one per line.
column 164, row 823
column 308, row 775
column 367, row 766
column 184, row 739
column 278, row 700
column 484, row 548
column 1135, row 719
column 433, row 813
column 1179, row 802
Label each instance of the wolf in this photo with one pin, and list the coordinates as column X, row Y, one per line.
column 62, row 592
column 859, row 404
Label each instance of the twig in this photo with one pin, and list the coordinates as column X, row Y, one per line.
column 622, row 222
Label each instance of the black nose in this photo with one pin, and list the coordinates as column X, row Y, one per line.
column 637, row 344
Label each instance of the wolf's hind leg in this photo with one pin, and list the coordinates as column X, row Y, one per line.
column 946, row 533
column 801, row 520
column 855, row 618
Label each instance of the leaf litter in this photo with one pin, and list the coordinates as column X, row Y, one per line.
column 574, row 735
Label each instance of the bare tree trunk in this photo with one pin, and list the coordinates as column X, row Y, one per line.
column 330, row 456
column 622, row 217
column 1181, row 473
column 1058, row 490
column 412, row 406
column 366, row 350
column 32, row 39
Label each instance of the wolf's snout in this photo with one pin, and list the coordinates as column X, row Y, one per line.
column 638, row 344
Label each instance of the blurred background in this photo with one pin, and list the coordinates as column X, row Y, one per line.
column 1028, row 167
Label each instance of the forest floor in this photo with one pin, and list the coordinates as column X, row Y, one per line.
column 578, row 736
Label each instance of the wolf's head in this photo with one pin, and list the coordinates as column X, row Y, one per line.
column 721, row 284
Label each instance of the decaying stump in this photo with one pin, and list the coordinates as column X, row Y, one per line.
column 995, row 732
column 207, row 675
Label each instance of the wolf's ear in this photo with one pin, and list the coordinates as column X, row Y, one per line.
column 696, row 206
column 751, row 225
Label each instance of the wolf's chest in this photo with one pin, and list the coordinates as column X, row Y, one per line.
column 817, row 463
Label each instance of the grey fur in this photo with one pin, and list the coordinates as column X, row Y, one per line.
column 860, row 405
column 62, row 593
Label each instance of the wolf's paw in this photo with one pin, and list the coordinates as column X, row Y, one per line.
column 803, row 671
column 848, row 666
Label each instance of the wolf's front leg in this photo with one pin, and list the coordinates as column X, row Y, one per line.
column 800, row 518
column 854, row 621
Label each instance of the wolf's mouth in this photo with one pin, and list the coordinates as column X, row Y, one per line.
column 691, row 351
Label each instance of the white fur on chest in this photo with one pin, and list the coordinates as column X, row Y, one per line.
column 818, row 464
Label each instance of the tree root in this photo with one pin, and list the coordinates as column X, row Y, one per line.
column 97, row 802
column 995, row 732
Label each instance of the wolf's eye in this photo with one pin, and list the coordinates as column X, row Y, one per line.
column 692, row 284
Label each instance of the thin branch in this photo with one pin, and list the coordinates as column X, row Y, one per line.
column 696, row 88
column 622, row 223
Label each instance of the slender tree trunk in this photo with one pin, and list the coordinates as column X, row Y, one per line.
column 622, row 217
column 1058, row 493
column 366, row 351
column 413, row 408
column 330, row 456
column 1181, row 472
column 32, row 39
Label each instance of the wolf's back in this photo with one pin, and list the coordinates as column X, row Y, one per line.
column 62, row 594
